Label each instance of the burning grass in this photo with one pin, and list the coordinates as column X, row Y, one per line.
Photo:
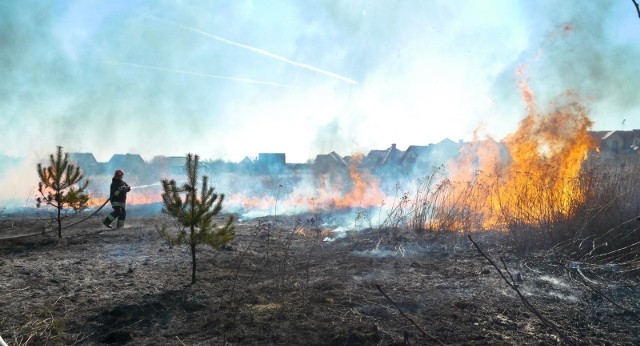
column 545, row 184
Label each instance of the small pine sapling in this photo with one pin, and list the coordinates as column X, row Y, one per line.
column 195, row 212
column 61, row 186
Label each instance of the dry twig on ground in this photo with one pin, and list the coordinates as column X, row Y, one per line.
column 409, row 318
column 531, row 308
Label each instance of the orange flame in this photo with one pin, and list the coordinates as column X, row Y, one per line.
column 95, row 201
column 366, row 190
column 538, row 181
column 324, row 193
column 135, row 197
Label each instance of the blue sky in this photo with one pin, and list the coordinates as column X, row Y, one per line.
column 227, row 79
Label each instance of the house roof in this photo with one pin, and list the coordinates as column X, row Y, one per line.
column 416, row 150
column 332, row 157
column 393, row 155
column 374, row 157
column 246, row 161
column 126, row 159
column 609, row 134
column 338, row 158
column 628, row 137
column 83, row 158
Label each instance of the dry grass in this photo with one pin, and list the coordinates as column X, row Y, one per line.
column 592, row 217
column 43, row 325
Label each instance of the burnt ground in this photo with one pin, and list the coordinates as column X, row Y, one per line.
column 275, row 286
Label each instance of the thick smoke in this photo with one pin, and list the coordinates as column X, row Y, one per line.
column 584, row 48
column 131, row 77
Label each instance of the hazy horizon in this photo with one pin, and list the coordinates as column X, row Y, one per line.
column 229, row 79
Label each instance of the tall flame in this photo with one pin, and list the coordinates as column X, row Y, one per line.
column 537, row 181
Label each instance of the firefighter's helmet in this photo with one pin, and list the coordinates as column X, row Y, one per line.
column 119, row 173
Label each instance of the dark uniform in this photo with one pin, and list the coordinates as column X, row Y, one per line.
column 118, row 196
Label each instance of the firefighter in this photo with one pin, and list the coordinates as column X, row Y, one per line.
column 118, row 196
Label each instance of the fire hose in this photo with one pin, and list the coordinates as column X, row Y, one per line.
column 65, row 226
column 97, row 210
column 86, row 218
column 69, row 225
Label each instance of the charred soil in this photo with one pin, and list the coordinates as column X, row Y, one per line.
column 286, row 281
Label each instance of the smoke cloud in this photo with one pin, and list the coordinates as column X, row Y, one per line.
column 124, row 77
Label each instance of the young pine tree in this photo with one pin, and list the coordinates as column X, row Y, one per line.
column 195, row 212
column 61, row 186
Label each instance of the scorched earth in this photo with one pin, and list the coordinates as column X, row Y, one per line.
column 286, row 281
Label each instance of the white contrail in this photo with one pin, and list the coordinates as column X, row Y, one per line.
column 258, row 50
column 156, row 68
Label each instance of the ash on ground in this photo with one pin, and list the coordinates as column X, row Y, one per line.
column 281, row 283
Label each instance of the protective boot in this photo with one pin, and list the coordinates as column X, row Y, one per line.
column 120, row 224
column 107, row 222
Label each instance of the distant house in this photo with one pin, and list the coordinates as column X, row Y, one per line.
column 87, row 163
column 444, row 151
column 246, row 165
column 299, row 168
column 271, row 162
column 615, row 143
column 379, row 158
column 415, row 155
column 326, row 163
column 83, row 158
column 130, row 163
column 393, row 156
column 247, row 161
column 421, row 159
column 271, row 159
column 374, row 158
